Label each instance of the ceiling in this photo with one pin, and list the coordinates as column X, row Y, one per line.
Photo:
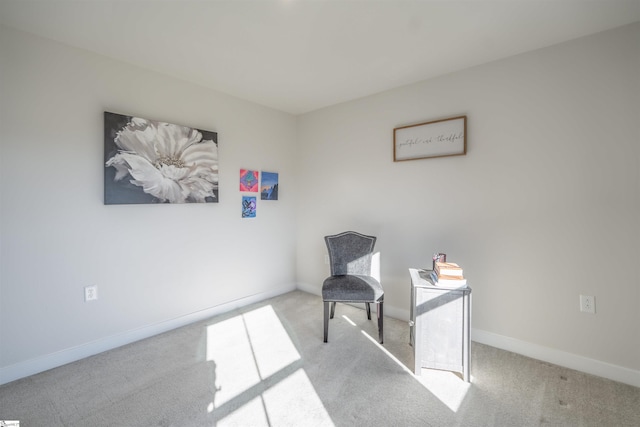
column 302, row 55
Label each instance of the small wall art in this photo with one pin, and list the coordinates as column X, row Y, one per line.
column 438, row 138
column 269, row 186
column 248, row 206
column 148, row 161
column 249, row 180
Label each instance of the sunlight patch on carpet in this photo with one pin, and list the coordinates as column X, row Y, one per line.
column 348, row 320
column 307, row 408
column 230, row 351
column 258, row 373
column 446, row 386
column 272, row 347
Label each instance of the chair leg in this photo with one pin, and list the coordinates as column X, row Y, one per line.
column 333, row 309
column 326, row 320
column 380, row 323
column 368, row 310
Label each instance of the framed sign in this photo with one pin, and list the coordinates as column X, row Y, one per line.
column 439, row 138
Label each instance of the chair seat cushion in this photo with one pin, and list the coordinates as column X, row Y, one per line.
column 352, row 288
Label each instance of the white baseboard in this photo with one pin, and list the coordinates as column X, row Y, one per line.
column 62, row 357
column 310, row 289
column 558, row 357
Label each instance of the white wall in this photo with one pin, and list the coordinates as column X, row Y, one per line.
column 153, row 264
column 547, row 195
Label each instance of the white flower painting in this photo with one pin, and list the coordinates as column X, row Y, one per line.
column 148, row 161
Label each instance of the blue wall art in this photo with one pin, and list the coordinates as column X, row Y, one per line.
column 269, row 186
column 248, row 206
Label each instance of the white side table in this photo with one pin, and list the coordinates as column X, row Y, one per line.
column 440, row 325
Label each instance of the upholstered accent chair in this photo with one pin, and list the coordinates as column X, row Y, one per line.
column 355, row 276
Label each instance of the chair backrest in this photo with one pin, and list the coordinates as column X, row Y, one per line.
column 350, row 253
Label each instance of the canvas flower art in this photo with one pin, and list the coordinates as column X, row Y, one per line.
column 149, row 161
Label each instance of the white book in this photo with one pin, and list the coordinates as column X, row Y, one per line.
column 452, row 281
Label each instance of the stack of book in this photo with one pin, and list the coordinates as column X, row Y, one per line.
column 448, row 274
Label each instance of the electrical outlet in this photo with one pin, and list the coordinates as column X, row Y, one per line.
column 90, row 293
column 588, row 304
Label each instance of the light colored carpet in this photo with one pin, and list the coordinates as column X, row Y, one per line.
column 266, row 365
